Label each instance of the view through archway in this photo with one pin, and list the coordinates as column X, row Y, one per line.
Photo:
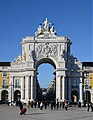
column 46, row 79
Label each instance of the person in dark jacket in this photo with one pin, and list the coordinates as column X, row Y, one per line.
column 22, row 109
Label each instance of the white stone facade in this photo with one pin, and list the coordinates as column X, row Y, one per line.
column 47, row 47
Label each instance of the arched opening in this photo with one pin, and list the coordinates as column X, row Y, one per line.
column 46, row 80
column 88, row 96
column 74, row 96
column 4, row 96
column 17, row 95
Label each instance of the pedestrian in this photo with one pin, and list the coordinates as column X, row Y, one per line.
column 91, row 107
column 79, row 104
column 45, row 104
column 88, row 106
column 28, row 104
column 41, row 105
column 31, row 104
column 63, row 104
column 60, row 104
column 22, row 109
column 57, row 104
column 66, row 106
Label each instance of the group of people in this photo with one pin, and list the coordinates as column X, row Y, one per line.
column 44, row 104
column 54, row 104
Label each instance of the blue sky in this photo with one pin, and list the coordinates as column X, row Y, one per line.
column 71, row 18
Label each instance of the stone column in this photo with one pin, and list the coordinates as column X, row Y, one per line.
column 11, row 91
column 27, row 88
column 29, row 85
column 34, row 84
column 92, row 96
column 32, row 88
column 80, row 90
column 63, row 87
column 69, row 88
column 58, row 86
column 22, row 88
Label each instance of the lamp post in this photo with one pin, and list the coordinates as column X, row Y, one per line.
column 12, row 92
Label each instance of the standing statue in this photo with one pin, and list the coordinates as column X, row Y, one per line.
column 52, row 30
column 39, row 31
column 46, row 24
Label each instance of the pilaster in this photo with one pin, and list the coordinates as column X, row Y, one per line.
column 80, row 90
column 63, row 87
column 32, row 88
column 22, row 88
column 69, row 88
column 27, row 88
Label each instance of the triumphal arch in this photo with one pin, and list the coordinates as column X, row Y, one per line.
column 46, row 47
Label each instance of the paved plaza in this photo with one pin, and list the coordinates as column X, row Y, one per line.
column 73, row 113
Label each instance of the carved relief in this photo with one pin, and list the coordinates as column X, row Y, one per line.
column 39, row 48
column 46, row 49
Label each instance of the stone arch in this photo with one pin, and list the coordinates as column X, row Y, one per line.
column 51, row 62
column 74, row 96
column 4, row 95
column 17, row 95
column 46, row 60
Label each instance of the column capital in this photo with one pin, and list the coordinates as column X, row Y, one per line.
column 27, row 75
column 63, row 76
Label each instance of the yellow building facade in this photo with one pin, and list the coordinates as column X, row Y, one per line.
column 4, row 81
column 88, row 81
column 91, row 80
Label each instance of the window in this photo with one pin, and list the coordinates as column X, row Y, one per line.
column 74, row 83
column 4, row 73
column 4, row 84
column 17, row 83
column 87, row 83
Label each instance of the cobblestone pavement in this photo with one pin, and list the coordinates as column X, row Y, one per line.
column 73, row 113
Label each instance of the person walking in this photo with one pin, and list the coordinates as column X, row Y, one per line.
column 45, row 104
column 22, row 109
column 41, row 105
column 88, row 106
column 28, row 104
column 91, row 107
column 66, row 106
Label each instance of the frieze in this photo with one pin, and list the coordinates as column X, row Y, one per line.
column 46, row 49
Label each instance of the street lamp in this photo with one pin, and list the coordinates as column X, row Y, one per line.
column 11, row 89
